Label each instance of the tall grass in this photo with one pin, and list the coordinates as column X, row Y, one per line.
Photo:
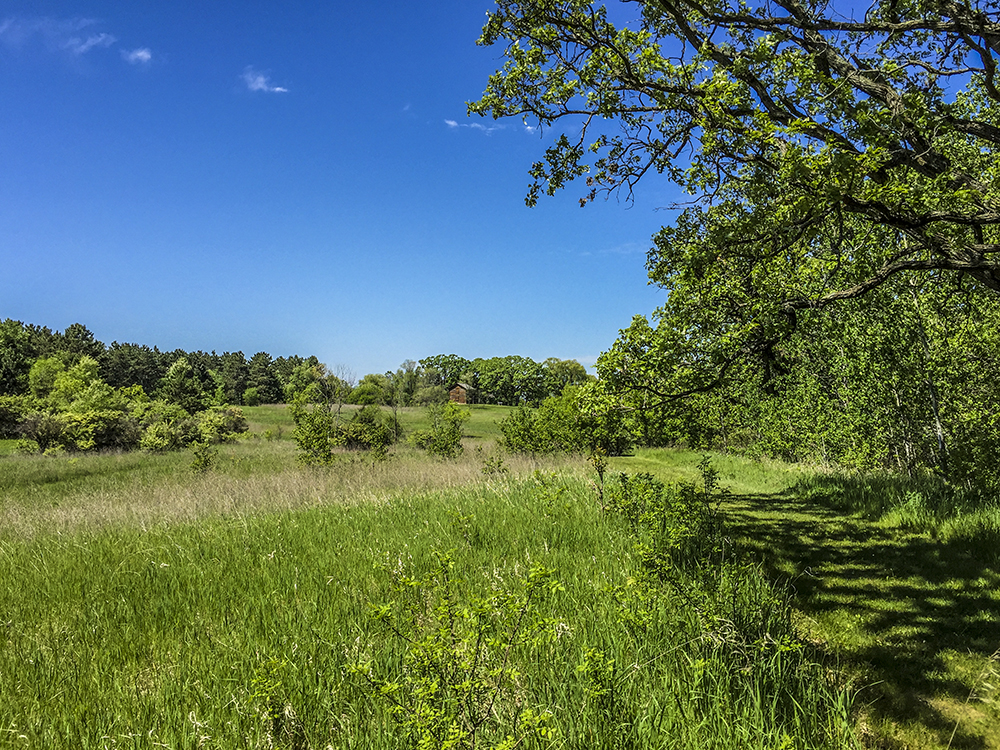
column 353, row 607
column 963, row 515
column 43, row 494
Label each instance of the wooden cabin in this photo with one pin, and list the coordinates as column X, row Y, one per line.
column 460, row 393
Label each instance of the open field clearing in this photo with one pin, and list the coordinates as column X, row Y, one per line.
column 256, row 474
column 265, row 605
column 376, row 605
column 42, row 495
column 763, row 515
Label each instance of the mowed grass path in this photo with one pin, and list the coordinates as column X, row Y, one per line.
column 914, row 622
column 911, row 620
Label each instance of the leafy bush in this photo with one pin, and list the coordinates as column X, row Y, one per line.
column 676, row 527
column 251, row 397
column 576, row 421
column 148, row 413
column 520, row 432
column 166, row 426
column 169, row 427
column 13, row 410
column 313, row 433
column 99, row 429
column 221, row 424
column 444, row 438
column 169, row 436
column 44, row 428
column 369, row 429
column 26, row 447
column 204, row 455
column 317, row 432
column 455, row 684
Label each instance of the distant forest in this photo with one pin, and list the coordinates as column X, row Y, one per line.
column 231, row 378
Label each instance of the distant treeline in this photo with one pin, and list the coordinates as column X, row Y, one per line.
column 230, row 378
column 125, row 365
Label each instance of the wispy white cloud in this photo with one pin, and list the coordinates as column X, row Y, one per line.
column 73, row 36
column 55, row 34
column 473, row 126
column 257, row 81
column 80, row 46
column 486, row 129
column 138, row 56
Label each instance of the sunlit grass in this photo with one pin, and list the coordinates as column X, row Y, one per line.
column 142, row 604
column 741, row 475
column 482, row 424
column 147, row 606
column 44, row 494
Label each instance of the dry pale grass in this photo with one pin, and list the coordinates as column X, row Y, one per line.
column 187, row 497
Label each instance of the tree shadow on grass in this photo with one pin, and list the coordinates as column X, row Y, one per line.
column 898, row 609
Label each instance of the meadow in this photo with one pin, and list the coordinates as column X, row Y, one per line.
column 486, row 601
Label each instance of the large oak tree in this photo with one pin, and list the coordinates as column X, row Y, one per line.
column 825, row 155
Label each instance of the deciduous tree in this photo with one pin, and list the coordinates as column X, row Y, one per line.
column 16, row 355
column 824, row 154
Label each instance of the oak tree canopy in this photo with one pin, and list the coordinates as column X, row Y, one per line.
column 826, row 152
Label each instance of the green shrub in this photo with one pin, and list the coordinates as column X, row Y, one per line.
column 313, row 433
column 166, row 426
column 204, row 456
column 575, row 421
column 13, row 410
column 318, row 433
column 99, row 429
column 455, row 684
column 148, row 413
column 520, row 433
column 369, row 429
column 43, row 428
column 251, row 397
column 444, row 438
column 221, row 424
column 26, row 447
column 169, row 436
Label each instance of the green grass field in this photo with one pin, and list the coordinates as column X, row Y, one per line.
column 265, row 605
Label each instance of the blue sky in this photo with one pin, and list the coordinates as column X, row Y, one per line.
column 296, row 178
